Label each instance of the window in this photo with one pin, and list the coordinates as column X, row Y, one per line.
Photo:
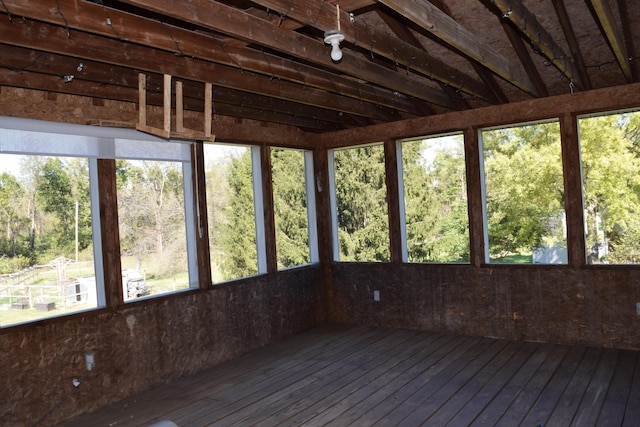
column 294, row 207
column 610, row 155
column 153, row 230
column 50, row 262
column 359, row 204
column 235, row 211
column 436, row 219
column 524, row 194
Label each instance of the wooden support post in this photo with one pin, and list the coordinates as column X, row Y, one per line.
column 167, row 103
column 268, row 209
column 142, row 95
column 393, row 201
column 179, row 108
column 573, row 203
column 142, row 125
column 474, row 196
column 208, row 100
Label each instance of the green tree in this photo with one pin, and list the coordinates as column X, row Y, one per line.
column 55, row 195
column 151, row 213
column 611, row 179
column 12, row 220
column 238, row 234
column 435, row 197
column 524, row 188
column 363, row 224
column 290, row 207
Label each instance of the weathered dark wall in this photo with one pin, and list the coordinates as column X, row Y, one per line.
column 593, row 306
column 148, row 343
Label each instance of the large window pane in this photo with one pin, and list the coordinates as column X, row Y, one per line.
column 46, row 244
column 151, row 214
column 231, row 211
column 524, row 193
column 435, row 199
column 610, row 153
column 360, row 204
column 290, row 201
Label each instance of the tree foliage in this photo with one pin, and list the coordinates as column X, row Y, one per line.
column 435, row 198
column 611, row 177
column 151, row 214
column 232, row 219
column 290, row 207
column 361, row 198
column 524, row 188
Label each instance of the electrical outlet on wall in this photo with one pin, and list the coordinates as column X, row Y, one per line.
column 376, row 295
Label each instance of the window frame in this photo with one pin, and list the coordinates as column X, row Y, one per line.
column 402, row 201
column 481, row 155
column 312, row 225
column 333, row 202
column 48, row 138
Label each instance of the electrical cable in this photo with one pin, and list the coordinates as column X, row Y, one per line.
column 64, row 399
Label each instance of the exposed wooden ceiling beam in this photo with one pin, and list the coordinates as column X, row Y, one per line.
column 404, row 34
column 90, row 17
column 525, row 58
column 572, row 42
column 628, row 38
column 41, row 36
column 110, row 79
column 236, row 23
column 614, row 36
column 360, row 33
column 438, row 23
column 540, row 39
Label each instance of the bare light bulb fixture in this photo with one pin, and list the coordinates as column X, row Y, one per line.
column 334, row 37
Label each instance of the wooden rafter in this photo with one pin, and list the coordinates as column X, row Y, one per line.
column 614, row 36
column 404, row 34
column 572, row 42
column 90, row 17
column 525, row 58
column 438, row 23
column 541, row 40
column 237, row 23
column 359, row 32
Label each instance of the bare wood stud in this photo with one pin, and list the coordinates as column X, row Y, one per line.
column 142, row 94
column 179, row 108
column 167, row 103
column 208, row 100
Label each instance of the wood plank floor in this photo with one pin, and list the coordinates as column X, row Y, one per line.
column 340, row 375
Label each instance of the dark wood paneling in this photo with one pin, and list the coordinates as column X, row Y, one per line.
column 590, row 306
column 148, row 343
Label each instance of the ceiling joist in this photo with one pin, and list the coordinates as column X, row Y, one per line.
column 358, row 31
column 236, row 23
column 91, row 17
column 71, row 43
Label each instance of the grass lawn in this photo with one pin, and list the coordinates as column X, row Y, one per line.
column 514, row 259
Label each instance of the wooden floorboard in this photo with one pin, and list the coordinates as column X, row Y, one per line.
column 340, row 375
